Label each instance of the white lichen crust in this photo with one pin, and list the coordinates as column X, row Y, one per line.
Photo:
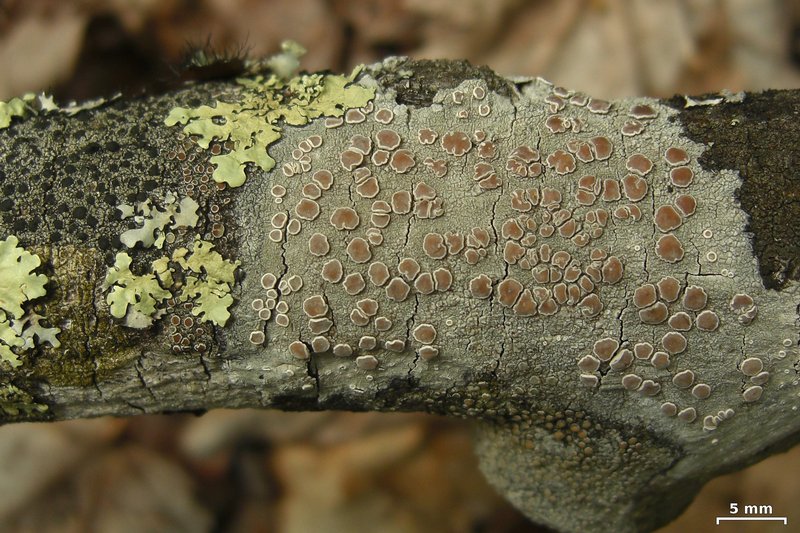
column 569, row 252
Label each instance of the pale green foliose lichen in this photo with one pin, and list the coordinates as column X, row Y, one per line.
column 16, row 107
column 132, row 297
column 154, row 221
column 288, row 61
column 163, row 271
column 207, row 282
column 267, row 104
column 212, row 294
column 29, row 327
column 34, row 104
column 26, row 105
column 18, row 285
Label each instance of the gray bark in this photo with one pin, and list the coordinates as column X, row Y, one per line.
column 602, row 408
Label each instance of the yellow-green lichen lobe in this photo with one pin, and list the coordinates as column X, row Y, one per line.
column 287, row 62
column 132, row 297
column 18, row 285
column 155, row 222
column 207, row 279
column 16, row 107
column 30, row 104
column 26, row 105
column 267, row 104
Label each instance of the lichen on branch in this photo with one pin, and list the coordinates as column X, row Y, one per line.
column 264, row 106
column 19, row 285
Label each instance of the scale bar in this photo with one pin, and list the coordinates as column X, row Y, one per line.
column 752, row 519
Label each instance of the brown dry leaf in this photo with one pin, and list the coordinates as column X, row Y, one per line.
column 124, row 490
column 444, row 490
column 39, row 52
column 455, row 29
column 220, row 429
column 133, row 14
column 339, row 484
column 34, row 457
column 608, row 48
column 615, row 48
column 253, row 516
column 416, row 475
column 263, row 25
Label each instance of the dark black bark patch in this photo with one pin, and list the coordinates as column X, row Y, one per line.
column 759, row 138
column 429, row 76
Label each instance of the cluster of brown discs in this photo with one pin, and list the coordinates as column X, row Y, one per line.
column 198, row 184
column 373, row 206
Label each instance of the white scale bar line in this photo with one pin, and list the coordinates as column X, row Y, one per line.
column 753, row 519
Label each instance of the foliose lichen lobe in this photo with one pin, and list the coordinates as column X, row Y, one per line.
column 14, row 108
column 20, row 327
column 264, row 106
column 88, row 196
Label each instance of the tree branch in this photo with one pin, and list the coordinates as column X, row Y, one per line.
column 608, row 289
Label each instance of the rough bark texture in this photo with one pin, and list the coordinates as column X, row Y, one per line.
column 758, row 139
column 583, row 282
